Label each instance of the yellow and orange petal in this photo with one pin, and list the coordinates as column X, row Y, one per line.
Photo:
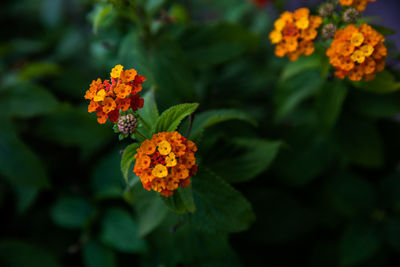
column 108, row 97
column 357, row 52
column 293, row 29
column 166, row 162
column 361, row 5
column 116, row 71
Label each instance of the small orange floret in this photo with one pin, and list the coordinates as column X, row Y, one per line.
column 361, row 5
column 165, row 162
column 357, row 52
column 107, row 97
column 294, row 33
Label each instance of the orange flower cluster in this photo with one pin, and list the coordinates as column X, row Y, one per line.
column 107, row 99
column 361, row 5
column 294, row 33
column 166, row 162
column 357, row 53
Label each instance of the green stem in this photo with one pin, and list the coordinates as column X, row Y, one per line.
column 140, row 134
column 191, row 118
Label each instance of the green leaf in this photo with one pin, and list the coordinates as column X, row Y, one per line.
column 303, row 160
column 350, row 195
column 219, row 207
column 385, row 82
column 26, row 196
column 209, row 118
column 292, row 91
column 390, row 188
column 149, row 112
column 173, row 76
column 128, row 157
column 359, row 243
column 301, row 65
column 151, row 211
column 26, row 100
column 38, row 69
column 181, row 201
column 18, row 164
column 120, row 231
column 214, row 44
column 96, row 255
column 359, row 142
column 106, row 180
column 71, row 212
column 53, row 18
column 136, row 58
column 383, row 30
column 392, row 232
column 15, row 253
column 249, row 158
column 152, row 6
column 172, row 117
column 99, row 15
column 375, row 106
column 275, row 211
column 329, row 104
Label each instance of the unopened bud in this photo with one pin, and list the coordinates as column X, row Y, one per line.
column 351, row 15
column 326, row 10
column 328, row 31
column 127, row 124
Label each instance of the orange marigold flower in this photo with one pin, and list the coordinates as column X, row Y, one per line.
column 357, row 52
column 107, row 97
column 361, row 5
column 293, row 33
column 165, row 162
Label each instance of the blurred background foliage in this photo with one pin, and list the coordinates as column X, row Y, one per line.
column 331, row 197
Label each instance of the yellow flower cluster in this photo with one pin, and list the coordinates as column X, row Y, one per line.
column 357, row 52
column 165, row 162
column 361, row 5
column 294, row 33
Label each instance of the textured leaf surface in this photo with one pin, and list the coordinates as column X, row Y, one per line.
column 245, row 159
column 212, row 117
column 172, row 117
column 128, row 157
column 220, row 207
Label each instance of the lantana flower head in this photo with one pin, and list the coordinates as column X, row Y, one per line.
column 361, row 5
column 357, row 52
column 165, row 162
column 121, row 92
column 294, row 33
